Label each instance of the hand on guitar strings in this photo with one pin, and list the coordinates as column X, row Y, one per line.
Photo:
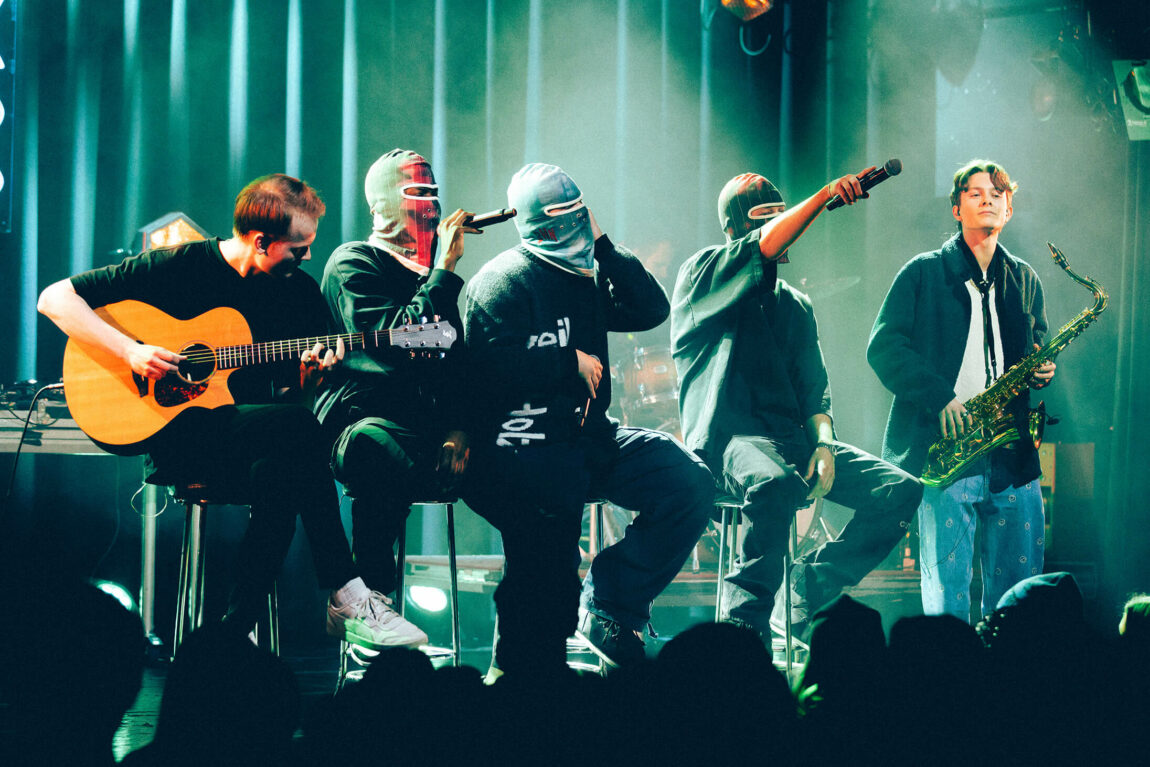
column 153, row 362
column 316, row 361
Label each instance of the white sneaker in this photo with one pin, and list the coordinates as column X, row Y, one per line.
column 372, row 623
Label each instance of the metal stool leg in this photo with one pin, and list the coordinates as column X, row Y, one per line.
column 400, row 567
column 182, row 588
column 788, row 583
column 788, row 634
column 268, row 635
column 453, row 571
column 190, row 602
column 596, row 534
column 731, row 517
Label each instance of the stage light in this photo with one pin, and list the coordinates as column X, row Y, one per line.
column 171, row 229
column 748, row 9
column 1132, row 76
column 1043, row 98
column 428, row 598
column 119, row 593
column 1136, row 85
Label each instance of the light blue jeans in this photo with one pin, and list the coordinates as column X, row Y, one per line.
column 1012, row 543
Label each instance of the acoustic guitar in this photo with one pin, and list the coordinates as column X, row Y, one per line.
column 120, row 410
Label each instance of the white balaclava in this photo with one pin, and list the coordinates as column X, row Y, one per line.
column 552, row 220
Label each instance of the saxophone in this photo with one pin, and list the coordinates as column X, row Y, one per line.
column 992, row 424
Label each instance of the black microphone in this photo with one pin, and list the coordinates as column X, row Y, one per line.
column 893, row 167
column 487, row 219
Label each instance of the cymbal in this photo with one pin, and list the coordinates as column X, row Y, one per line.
column 818, row 289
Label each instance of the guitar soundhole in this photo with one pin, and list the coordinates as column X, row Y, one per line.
column 191, row 381
column 199, row 365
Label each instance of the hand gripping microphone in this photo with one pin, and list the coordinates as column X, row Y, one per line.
column 892, row 168
column 487, row 219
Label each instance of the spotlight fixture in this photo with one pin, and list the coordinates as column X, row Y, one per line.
column 119, row 593
column 428, row 598
column 170, row 229
column 1132, row 77
column 748, row 9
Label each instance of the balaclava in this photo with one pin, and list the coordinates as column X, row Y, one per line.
column 552, row 220
column 403, row 222
column 747, row 202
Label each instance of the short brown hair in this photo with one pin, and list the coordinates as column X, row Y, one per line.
column 268, row 204
column 998, row 176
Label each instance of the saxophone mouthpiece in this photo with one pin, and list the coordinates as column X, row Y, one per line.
column 1056, row 254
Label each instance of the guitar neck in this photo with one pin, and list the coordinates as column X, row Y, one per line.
column 227, row 357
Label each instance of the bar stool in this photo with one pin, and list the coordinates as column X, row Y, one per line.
column 196, row 497
column 730, row 513
column 362, row 656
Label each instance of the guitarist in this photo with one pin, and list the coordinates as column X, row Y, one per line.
column 267, row 448
column 397, row 437
column 955, row 320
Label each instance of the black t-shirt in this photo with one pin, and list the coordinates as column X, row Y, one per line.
column 187, row 280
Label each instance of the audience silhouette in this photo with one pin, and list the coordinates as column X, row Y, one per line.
column 225, row 702
column 65, row 684
column 1030, row 685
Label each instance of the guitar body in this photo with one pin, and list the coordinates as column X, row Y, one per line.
column 120, row 410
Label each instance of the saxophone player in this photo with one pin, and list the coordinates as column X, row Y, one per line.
column 953, row 321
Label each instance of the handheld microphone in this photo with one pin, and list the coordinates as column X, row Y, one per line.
column 487, row 219
column 893, row 167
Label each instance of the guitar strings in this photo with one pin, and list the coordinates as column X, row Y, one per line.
column 276, row 351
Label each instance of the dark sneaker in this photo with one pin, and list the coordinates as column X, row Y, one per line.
column 764, row 638
column 616, row 645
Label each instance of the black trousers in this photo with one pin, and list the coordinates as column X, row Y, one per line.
column 272, row 457
column 768, row 474
column 383, row 467
column 534, row 496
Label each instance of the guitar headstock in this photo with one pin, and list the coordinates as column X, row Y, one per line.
column 427, row 338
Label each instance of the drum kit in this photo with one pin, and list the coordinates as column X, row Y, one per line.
column 650, row 389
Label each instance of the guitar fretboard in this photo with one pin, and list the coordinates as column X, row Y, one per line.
column 414, row 337
column 291, row 349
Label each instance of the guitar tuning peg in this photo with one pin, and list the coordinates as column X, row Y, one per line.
column 413, row 353
column 435, row 318
column 442, row 355
column 423, row 318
